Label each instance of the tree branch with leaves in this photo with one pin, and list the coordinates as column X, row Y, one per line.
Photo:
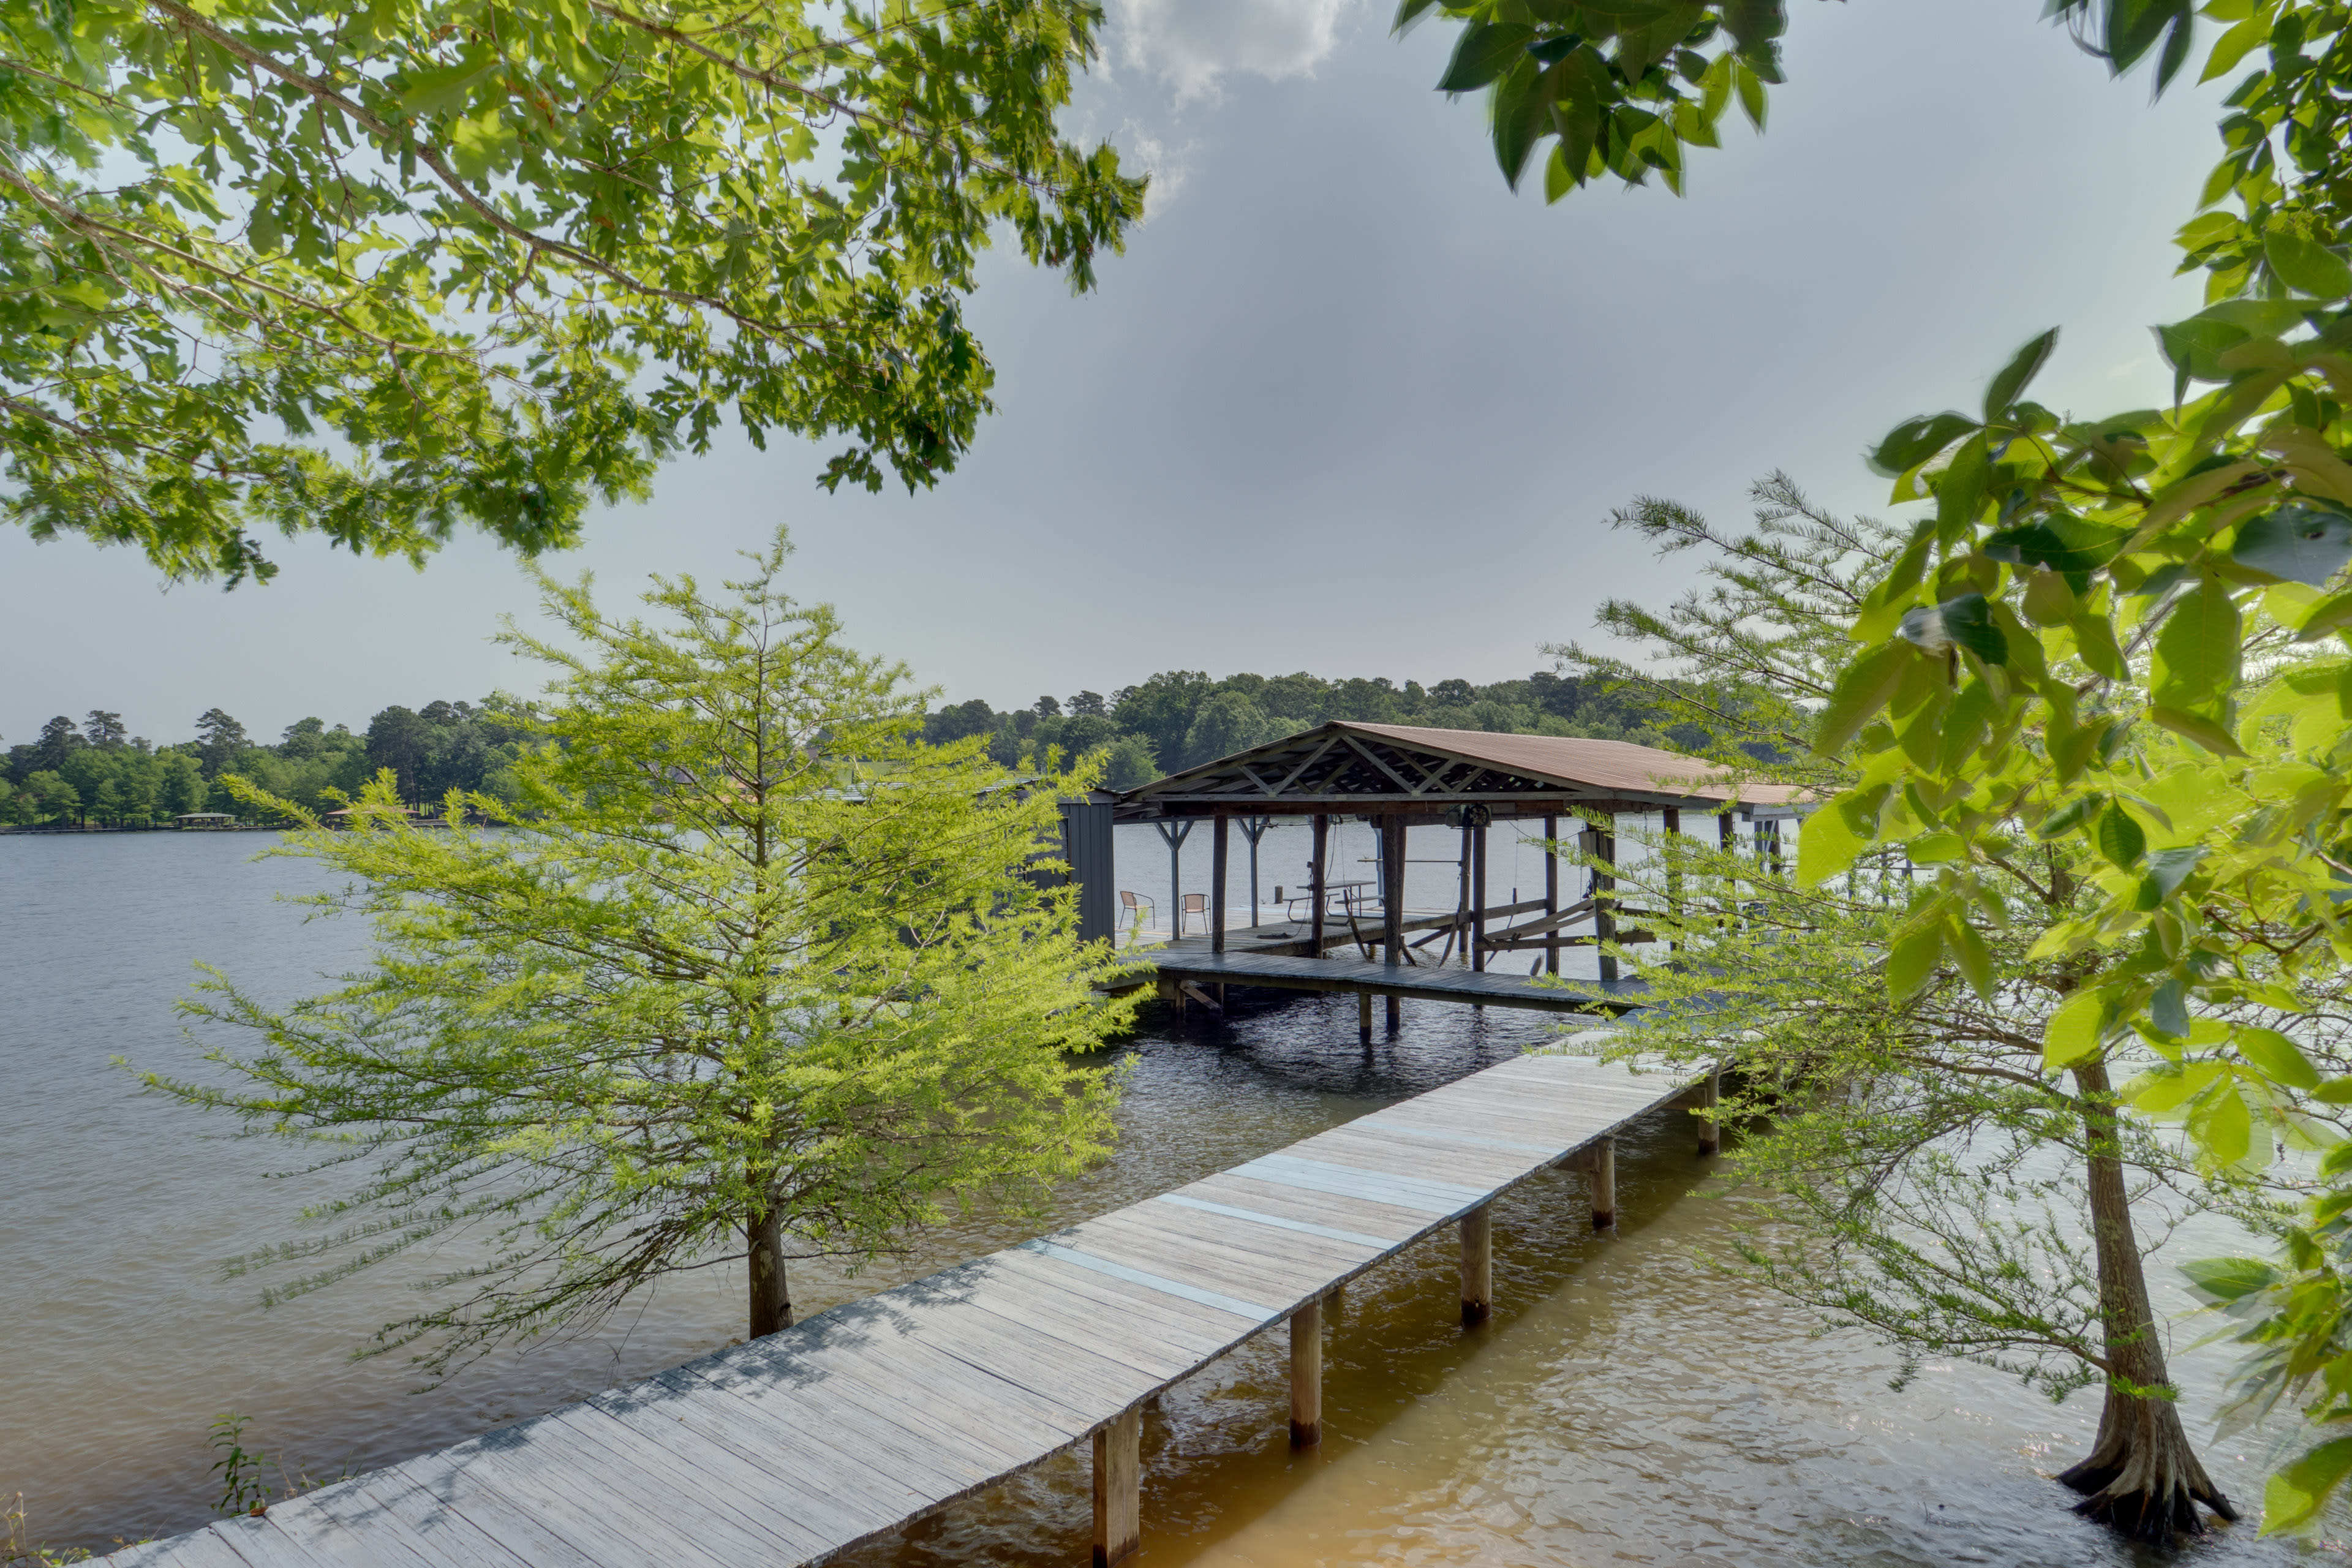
column 379, row 274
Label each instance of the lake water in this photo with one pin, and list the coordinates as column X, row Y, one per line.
column 1625, row 1405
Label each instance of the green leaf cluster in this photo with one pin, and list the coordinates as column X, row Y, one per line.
column 377, row 273
column 1617, row 87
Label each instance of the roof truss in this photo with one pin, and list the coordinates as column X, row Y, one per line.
column 1339, row 768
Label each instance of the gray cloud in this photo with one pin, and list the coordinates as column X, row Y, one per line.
column 1193, row 44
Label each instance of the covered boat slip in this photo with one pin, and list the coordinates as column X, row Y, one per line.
column 796, row 1446
column 1184, row 969
column 1398, row 778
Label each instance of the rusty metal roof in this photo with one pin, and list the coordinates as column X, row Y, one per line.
column 1349, row 766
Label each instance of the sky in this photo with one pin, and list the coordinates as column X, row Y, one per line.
column 1347, row 405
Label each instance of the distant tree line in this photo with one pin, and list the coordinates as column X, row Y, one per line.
column 1179, row 718
column 97, row 773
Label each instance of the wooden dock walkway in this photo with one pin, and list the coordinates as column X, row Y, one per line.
column 796, row 1446
column 1175, row 964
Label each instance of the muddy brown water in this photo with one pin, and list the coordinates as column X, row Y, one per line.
column 1626, row 1404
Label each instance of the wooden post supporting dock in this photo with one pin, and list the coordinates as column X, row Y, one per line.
column 1672, row 821
column 1603, row 849
column 1551, row 894
column 1477, row 1264
column 1173, row 835
column 1364, row 1015
column 1710, row 1130
column 1219, row 840
column 1118, row 1488
column 1306, row 1375
column 1392, row 838
column 1604, row 1184
column 1478, row 897
column 1315, row 884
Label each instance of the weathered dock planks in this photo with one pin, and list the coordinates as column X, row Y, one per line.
column 1429, row 982
column 796, row 1446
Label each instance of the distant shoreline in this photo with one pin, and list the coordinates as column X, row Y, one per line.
column 43, row 830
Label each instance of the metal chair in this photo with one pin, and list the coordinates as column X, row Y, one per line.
column 1139, row 908
column 1194, row 904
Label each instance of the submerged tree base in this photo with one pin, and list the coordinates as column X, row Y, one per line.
column 2143, row 1477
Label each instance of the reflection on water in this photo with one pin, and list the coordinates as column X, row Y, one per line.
column 1624, row 1404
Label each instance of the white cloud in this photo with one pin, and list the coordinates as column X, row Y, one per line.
column 1191, row 43
column 1169, row 166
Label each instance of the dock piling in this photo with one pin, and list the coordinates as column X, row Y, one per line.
column 1315, row 880
column 1118, row 1503
column 1306, row 1375
column 1392, row 863
column 1478, row 897
column 1364, row 1017
column 1604, row 1184
column 1602, row 842
column 1219, row 852
column 1477, row 1264
column 1710, row 1130
column 1551, row 894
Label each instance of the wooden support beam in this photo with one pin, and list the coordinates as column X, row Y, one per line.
column 1315, row 882
column 1462, row 892
column 1673, row 822
column 1551, row 892
column 1118, row 1490
column 1604, row 909
column 1364, row 1017
column 1202, row 997
column 1478, row 1264
column 1710, row 1130
column 1173, row 835
column 1220, row 841
column 1306, row 1375
column 1604, row 1184
column 1393, row 906
column 1727, row 842
column 1478, row 897
column 1393, row 845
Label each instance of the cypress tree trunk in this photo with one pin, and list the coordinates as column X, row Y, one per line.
column 2141, row 1476
column 771, row 1301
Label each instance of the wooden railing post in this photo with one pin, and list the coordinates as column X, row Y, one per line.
column 1478, row 1264
column 1306, row 1375
column 1119, row 1485
column 1604, row 1184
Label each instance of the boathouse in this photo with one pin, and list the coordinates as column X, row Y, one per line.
column 1398, row 778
